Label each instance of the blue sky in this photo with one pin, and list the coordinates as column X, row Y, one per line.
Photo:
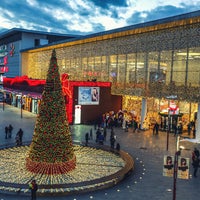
column 87, row 16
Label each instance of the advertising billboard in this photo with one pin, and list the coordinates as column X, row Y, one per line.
column 88, row 95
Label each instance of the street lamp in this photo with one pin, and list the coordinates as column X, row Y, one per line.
column 177, row 154
column 170, row 97
column 168, row 129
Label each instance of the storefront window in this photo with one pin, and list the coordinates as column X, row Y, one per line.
column 165, row 66
column 140, row 69
column 153, row 67
column 84, row 67
column 131, row 69
column 104, row 68
column 97, row 69
column 113, row 69
column 179, row 67
column 121, row 70
column 193, row 67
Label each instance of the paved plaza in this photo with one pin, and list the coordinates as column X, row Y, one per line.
column 146, row 181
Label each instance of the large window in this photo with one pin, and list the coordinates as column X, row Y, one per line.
column 104, row 69
column 113, row 69
column 131, row 68
column 193, row 67
column 140, row 69
column 179, row 67
column 166, row 65
column 121, row 70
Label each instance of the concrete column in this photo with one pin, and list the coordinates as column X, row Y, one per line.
column 198, row 123
column 143, row 111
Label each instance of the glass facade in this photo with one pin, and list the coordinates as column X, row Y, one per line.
column 154, row 61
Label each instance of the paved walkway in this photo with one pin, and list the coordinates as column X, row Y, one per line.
column 146, row 182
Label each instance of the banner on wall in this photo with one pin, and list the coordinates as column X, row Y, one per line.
column 88, row 95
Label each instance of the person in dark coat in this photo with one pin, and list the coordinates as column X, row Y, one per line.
column 20, row 135
column 6, row 132
column 112, row 141
column 195, row 165
column 33, row 187
column 195, row 153
column 156, row 128
column 118, row 147
column 10, row 128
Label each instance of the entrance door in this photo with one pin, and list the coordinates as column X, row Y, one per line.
column 77, row 119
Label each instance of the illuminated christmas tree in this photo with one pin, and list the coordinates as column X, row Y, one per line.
column 51, row 150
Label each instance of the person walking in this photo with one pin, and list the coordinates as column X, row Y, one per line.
column 6, row 132
column 195, row 164
column 20, row 135
column 156, row 128
column 10, row 128
column 195, row 153
column 33, row 187
column 91, row 134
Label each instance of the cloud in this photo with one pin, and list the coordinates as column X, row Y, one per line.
column 87, row 16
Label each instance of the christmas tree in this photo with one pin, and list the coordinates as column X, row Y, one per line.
column 51, row 150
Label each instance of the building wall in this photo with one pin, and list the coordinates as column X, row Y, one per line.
column 19, row 40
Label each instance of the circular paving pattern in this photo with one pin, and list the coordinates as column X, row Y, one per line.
column 96, row 168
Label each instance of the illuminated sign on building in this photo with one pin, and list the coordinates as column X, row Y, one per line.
column 3, row 64
column 3, row 50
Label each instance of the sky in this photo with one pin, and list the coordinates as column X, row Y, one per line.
column 83, row 17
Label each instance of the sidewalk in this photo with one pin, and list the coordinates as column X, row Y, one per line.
column 146, row 182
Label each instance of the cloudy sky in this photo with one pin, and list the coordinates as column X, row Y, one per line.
column 87, row 16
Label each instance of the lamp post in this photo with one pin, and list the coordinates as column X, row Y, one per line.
column 171, row 97
column 177, row 154
column 168, row 129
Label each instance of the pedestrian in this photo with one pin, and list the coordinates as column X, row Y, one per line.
column 10, row 128
column 98, row 133
column 91, row 134
column 126, row 126
column 135, row 126
column 175, row 130
column 195, row 164
column 195, row 153
column 20, row 135
column 189, row 128
column 33, row 187
column 112, row 141
column 118, row 147
column 194, row 133
column 101, row 139
column 6, row 132
column 180, row 129
column 156, row 128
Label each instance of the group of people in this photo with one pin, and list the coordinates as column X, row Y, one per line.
column 101, row 135
column 8, row 131
column 18, row 137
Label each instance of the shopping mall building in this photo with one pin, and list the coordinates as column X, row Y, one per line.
column 154, row 66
